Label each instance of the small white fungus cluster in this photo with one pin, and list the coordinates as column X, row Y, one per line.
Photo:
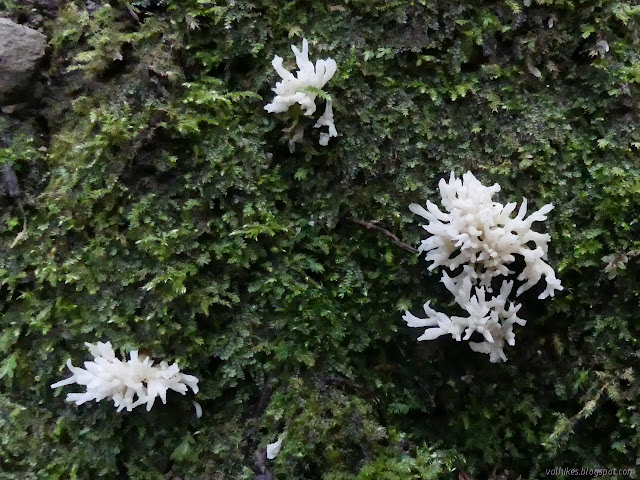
column 109, row 377
column 477, row 237
column 303, row 88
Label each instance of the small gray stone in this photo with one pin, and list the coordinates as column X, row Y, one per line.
column 15, row 108
column 21, row 49
column 10, row 181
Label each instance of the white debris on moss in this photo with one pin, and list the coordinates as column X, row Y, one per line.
column 601, row 49
column 273, row 449
column 128, row 384
column 617, row 261
column 198, row 408
column 304, row 87
column 476, row 237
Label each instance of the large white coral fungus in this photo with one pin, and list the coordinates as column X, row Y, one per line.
column 109, row 377
column 476, row 231
column 476, row 237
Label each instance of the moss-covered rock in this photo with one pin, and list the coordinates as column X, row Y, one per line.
column 161, row 209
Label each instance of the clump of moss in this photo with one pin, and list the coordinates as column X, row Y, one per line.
column 167, row 213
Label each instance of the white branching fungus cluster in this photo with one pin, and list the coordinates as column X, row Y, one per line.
column 304, row 87
column 109, row 377
column 477, row 237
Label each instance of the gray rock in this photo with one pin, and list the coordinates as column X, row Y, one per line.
column 49, row 6
column 21, row 49
column 10, row 181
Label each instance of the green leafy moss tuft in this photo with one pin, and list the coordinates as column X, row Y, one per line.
column 165, row 212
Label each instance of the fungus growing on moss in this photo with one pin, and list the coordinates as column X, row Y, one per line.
column 304, row 87
column 476, row 237
column 109, row 377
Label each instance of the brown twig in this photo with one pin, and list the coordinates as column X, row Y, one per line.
column 23, row 233
column 132, row 13
column 385, row 232
column 265, row 393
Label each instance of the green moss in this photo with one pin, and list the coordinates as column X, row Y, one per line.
column 166, row 213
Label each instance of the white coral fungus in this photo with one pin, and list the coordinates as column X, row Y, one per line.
column 107, row 376
column 482, row 235
column 477, row 237
column 303, row 88
column 491, row 318
column 326, row 120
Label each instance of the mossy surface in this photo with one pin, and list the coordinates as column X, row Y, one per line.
column 161, row 209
